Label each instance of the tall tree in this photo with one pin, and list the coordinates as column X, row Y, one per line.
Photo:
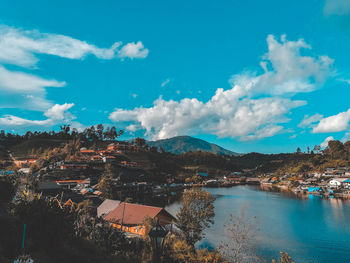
column 107, row 188
column 99, row 132
column 335, row 149
column 196, row 214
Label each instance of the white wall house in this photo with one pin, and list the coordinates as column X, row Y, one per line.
column 336, row 182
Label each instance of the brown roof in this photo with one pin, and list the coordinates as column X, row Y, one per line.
column 134, row 214
column 107, row 206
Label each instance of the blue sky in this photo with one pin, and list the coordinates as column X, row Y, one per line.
column 267, row 76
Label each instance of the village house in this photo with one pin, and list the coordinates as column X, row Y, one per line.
column 74, row 166
column 337, row 182
column 25, row 162
column 122, row 147
column 108, row 158
column 69, row 184
column 129, row 164
column 96, row 158
column 106, row 207
column 87, row 152
column 49, row 188
column 130, row 217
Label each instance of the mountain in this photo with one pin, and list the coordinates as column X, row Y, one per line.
column 181, row 144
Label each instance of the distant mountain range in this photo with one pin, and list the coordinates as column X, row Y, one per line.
column 182, row 144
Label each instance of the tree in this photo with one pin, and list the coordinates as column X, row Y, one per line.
column 335, row 149
column 140, row 142
column 99, row 132
column 298, row 150
column 285, row 258
column 109, row 170
column 178, row 251
column 196, row 214
column 108, row 238
column 317, row 148
column 239, row 245
column 7, row 189
column 107, row 188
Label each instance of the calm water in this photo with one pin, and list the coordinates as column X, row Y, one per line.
column 310, row 230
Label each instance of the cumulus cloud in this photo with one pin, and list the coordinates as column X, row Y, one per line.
column 19, row 47
column 55, row 115
column 324, row 144
column 286, row 71
column 133, row 50
column 337, row 7
column 335, row 123
column 57, row 112
column 254, row 107
column 310, row 120
column 223, row 115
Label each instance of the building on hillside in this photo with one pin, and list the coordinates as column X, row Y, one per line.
column 346, row 184
column 129, row 164
column 122, row 147
column 130, row 217
column 106, row 207
column 49, row 188
column 108, row 158
column 253, row 180
column 74, row 166
column 337, row 182
column 25, row 162
column 87, row 152
column 69, row 184
column 96, row 158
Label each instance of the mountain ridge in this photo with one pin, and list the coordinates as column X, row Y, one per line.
column 182, row 144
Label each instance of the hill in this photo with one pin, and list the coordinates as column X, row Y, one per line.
column 182, row 144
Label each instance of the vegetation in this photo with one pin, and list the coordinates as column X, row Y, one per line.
column 239, row 243
column 196, row 214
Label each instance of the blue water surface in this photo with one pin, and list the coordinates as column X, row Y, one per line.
column 310, row 230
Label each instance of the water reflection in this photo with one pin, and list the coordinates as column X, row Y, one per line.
column 337, row 209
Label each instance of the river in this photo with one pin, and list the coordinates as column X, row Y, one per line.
column 310, row 230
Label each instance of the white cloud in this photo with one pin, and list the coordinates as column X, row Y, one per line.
column 286, row 71
column 19, row 47
column 56, row 114
column 324, row 144
column 308, row 121
column 255, row 106
column 165, row 82
column 293, row 136
column 24, row 90
column 337, row 7
column 223, row 115
column 131, row 128
column 335, row 123
column 346, row 137
column 133, row 50
column 134, row 95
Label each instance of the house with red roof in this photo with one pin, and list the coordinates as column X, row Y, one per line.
column 130, row 217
